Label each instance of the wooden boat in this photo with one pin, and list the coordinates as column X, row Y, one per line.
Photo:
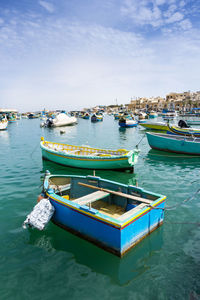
column 174, row 143
column 86, row 116
column 96, row 118
column 127, row 123
column 112, row 215
column 88, row 157
column 153, row 114
column 155, row 125
column 183, row 131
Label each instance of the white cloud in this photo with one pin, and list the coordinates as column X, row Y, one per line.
column 54, row 62
column 160, row 2
column 1, row 21
column 48, row 6
column 182, row 3
column 185, row 24
column 175, row 18
column 151, row 12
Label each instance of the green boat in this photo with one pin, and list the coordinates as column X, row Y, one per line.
column 88, row 157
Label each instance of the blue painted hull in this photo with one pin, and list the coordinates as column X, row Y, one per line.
column 127, row 125
column 172, row 143
column 113, row 234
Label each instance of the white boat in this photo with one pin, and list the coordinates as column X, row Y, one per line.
column 3, row 124
column 155, row 125
column 60, row 120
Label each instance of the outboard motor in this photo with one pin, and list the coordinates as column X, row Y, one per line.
column 183, row 124
column 122, row 120
column 49, row 122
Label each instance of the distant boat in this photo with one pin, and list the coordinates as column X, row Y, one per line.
column 112, row 215
column 3, row 124
column 153, row 114
column 33, row 116
column 127, row 123
column 60, row 120
column 183, row 131
column 12, row 118
column 155, row 125
column 88, row 157
column 174, row 143
column 96, row 118
column 86, row 116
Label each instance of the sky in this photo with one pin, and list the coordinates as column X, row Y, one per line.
column 72, row 54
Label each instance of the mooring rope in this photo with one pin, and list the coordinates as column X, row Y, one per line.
column 34, row 150
column 136, row 146
column 178, row 204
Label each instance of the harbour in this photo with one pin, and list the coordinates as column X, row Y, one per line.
column 56, row 263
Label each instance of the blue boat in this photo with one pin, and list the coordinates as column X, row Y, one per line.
column 96, row 118
column 112, row 215
column 174, row 143
column 183, row 131
column 127, row 123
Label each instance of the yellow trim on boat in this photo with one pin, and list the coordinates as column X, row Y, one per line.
column 88, row 149
column 141, row 213
column 79, row 158
column 87, row 213
column 105, row 220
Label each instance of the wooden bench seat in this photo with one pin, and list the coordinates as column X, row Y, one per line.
column 91, row 197
column 131, row 212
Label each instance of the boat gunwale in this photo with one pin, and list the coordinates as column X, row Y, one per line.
column 119, row 224
column 108, row 156
column 177, row 137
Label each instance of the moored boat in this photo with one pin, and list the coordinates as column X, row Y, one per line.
column 112, row 215
column 127, row 123
column 3, row 123
column 86, row 116
column 153, row 114
column 88, row 157
column 174, row 143
column 183, row 131
column 96, row 118
column 155, row 125
column 60, row 120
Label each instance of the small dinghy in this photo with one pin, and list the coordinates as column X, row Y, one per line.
column 112, row 215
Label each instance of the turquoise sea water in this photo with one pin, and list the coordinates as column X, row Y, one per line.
column 54, row 264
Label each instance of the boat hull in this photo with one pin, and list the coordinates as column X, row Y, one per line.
column 154, row 126
column 106, row 232
column 183, row 131
column 127, row 125
column 3, row 125
column 181, row 145
column 108, row 162
column 90, row 163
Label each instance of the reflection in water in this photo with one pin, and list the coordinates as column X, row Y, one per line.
column 4, row 137
column 121, row 270
column 171, row 159
column 53, row 132
column 120, row 176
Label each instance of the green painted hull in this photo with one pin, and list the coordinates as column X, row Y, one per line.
column 91, row 162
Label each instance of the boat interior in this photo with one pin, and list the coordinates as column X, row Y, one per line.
column 83, row 150
column 108, row 198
